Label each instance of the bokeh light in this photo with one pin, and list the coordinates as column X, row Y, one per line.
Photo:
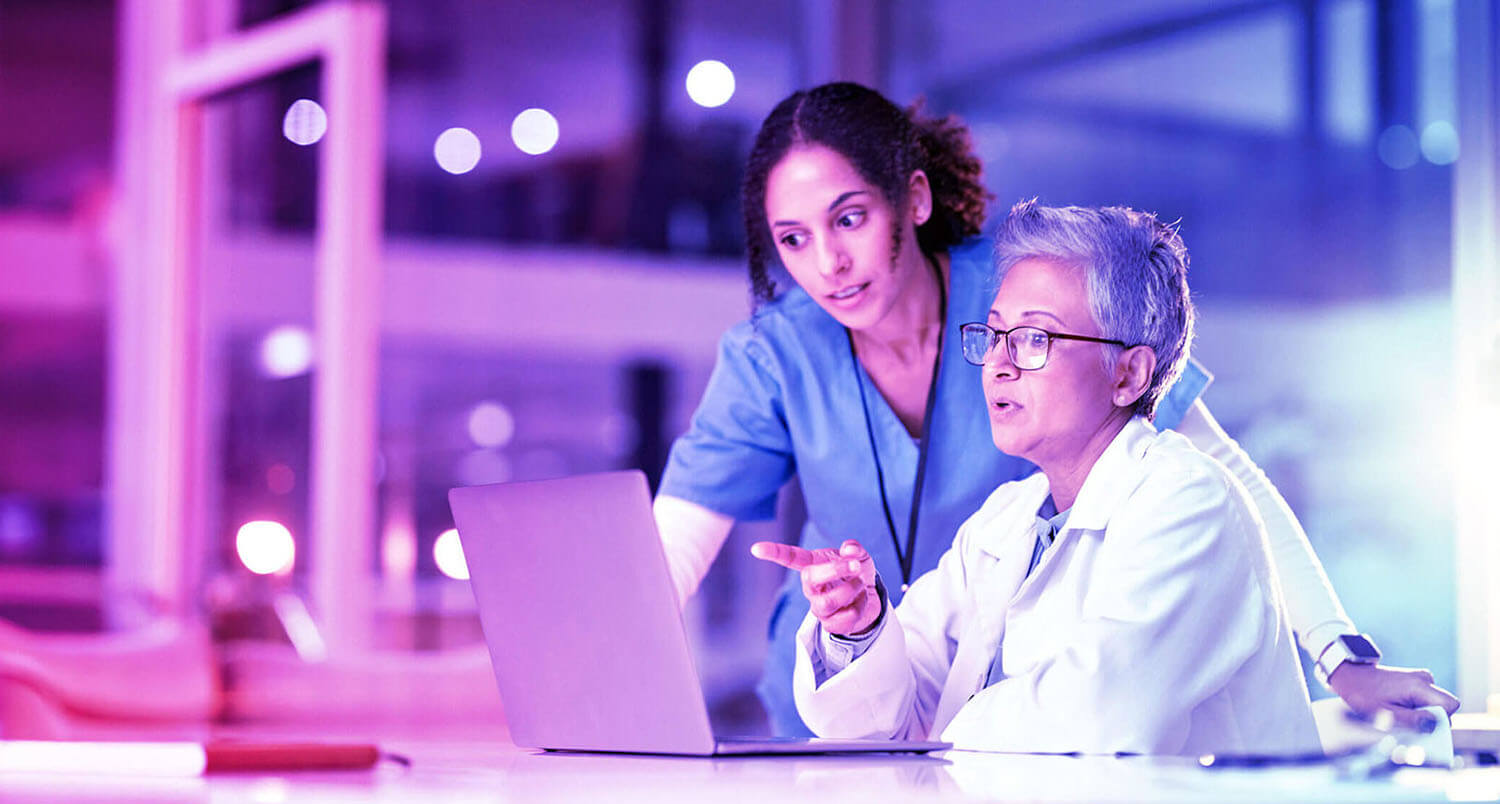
column 398, row 550
column 710, row 83
column 280, row 478
column 619, row 434
column 457, row 150
column 449, row 555
column 265, row 547
column 534, row 131
column 482, row 466
column 1440, row 143
column 305, row 122
column 286, row 351
column 491, row 424
column 1397, row 147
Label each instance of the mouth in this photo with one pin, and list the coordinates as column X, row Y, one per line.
column 1003, row 406
column 845, row 294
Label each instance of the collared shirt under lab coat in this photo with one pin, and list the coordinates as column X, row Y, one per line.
column 1153, row 624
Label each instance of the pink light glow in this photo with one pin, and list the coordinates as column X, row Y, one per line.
column 265, row 547
column 449, row 555
column 398, row 550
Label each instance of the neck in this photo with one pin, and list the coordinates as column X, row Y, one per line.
column 1066, row 474
column 912, row 326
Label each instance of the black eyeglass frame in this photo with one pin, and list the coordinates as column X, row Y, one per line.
column 997, row 335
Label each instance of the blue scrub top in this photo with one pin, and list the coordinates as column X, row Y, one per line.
column 784, row 399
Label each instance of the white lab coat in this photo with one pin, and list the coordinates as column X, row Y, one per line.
column 1153, row 624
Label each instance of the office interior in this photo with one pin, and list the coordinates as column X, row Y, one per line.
column 275, row 275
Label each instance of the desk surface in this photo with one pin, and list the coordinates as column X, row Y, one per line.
column 474, row 771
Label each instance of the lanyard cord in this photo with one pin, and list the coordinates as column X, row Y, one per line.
column 909, row 555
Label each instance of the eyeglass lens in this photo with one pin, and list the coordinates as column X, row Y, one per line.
column 1027, row 345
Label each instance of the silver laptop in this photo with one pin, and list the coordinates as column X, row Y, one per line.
column 583, row 627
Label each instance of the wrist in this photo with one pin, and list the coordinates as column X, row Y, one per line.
column 1344, row 650
column 879, row 615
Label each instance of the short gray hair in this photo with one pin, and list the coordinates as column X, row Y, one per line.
column 1135, row 269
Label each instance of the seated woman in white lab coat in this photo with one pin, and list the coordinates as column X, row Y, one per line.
column 1122, row 598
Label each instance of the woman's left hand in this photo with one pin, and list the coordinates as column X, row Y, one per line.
column 1371, row 688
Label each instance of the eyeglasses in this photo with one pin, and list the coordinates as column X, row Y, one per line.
column 1028, row 346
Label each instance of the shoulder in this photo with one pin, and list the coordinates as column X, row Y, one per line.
column 971, row 279
column 1171, row 451
column 788, row 330
column 786, row 317
column 1173, row 467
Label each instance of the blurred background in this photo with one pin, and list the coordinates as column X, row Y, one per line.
column 560, row 246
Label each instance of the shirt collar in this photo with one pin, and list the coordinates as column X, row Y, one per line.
column 1055, row 518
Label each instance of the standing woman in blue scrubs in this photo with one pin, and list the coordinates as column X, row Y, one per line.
column 853, row 380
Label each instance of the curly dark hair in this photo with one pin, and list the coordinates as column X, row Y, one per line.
column 885, row 144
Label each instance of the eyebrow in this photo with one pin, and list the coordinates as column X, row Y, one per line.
column 831, row 207
column 994, row 316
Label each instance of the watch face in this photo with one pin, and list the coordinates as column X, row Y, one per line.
column 1361, row 647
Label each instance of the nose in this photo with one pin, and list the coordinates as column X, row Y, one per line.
column 832, row 258
column 998, row 365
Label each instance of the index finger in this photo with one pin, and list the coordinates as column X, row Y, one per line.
column 787, row 555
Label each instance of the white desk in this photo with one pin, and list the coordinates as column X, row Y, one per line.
column 472, row 771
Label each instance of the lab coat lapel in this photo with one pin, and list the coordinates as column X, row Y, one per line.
column 1008, row 541
column 1007, row 545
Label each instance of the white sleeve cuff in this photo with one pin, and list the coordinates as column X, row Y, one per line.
column 838, row 652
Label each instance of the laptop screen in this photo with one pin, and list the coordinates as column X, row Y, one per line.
column 580, row 615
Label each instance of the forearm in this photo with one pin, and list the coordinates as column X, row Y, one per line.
column 1312, row 606
column 691, row 537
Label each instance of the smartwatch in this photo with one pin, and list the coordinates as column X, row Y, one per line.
column 1355, row 648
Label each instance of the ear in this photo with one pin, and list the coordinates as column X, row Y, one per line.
column 1133, row 375
column 919, row 197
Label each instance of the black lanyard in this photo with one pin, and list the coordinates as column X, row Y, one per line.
column 907, row 556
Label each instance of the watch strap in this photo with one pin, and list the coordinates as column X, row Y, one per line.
column 1356, row 648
